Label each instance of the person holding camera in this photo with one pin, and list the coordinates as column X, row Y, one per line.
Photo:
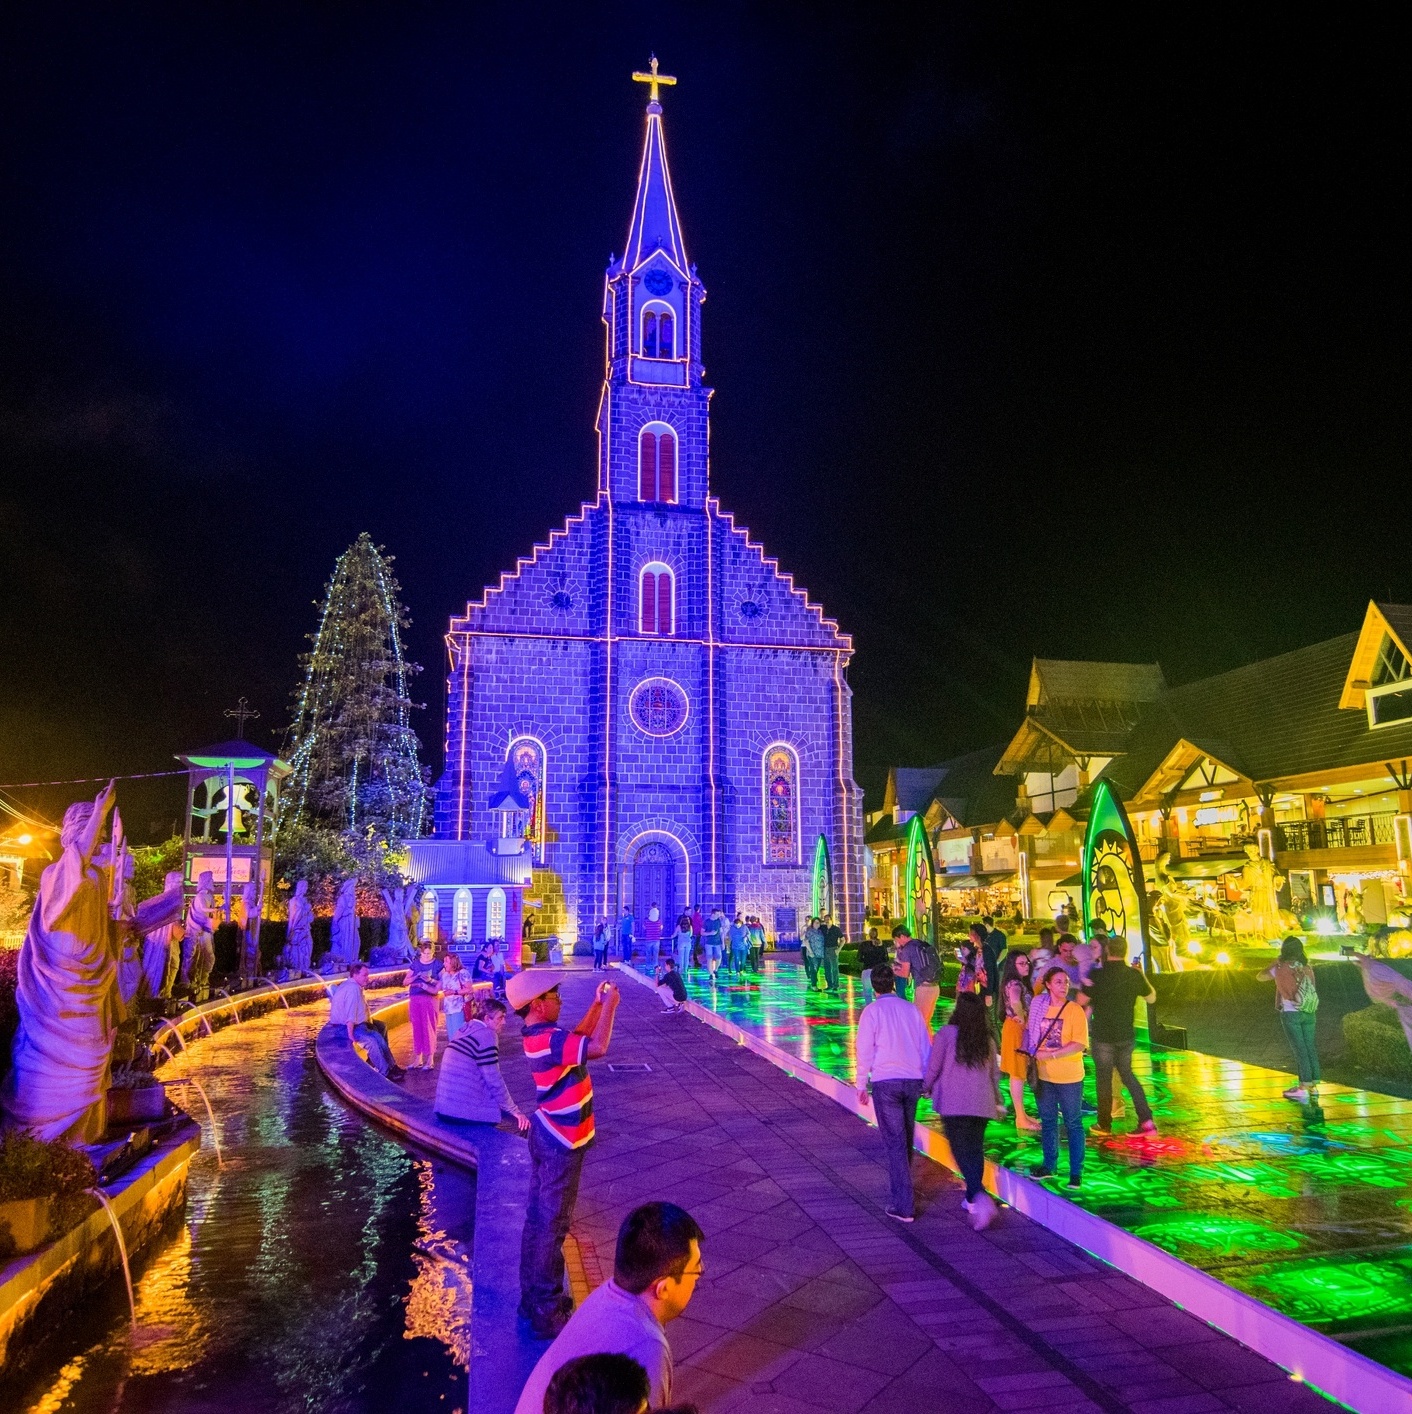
column 559, row 1137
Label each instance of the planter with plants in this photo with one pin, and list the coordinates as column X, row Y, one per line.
column 41, row 1191
column 135, row 1094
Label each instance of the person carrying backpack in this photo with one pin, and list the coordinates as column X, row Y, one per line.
column 1297, row 1000
column 917, row 959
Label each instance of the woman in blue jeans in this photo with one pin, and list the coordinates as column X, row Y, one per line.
column 1057, row 1036
column 1297, row 999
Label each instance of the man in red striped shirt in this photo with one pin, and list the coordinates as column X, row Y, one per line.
column 558, row 1138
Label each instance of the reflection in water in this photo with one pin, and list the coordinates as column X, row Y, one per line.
column 323, row 1269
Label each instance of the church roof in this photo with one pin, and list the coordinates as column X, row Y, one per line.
column 654, row 222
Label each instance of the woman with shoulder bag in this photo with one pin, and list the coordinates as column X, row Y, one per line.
column 1056, row 1038
column 964, row 1082
column 1015, row 993
column 1297, row 999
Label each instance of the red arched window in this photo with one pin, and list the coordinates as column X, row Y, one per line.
column 657, row 464
column 657, row 607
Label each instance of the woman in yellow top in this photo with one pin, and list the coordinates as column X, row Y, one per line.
column 1057, row 1036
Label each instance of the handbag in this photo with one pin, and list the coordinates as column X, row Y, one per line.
column 1031, row 1057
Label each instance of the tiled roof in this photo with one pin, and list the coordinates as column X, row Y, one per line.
column 1063, row 679
column 1278, row 717
column 971, row 791
column 912, row 786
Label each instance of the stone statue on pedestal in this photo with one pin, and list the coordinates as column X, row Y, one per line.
column 298, row 954
column 250, row 904
column 346, row 943
column 198, row 945
column 158, row 924
column 67, row 993
column 399, row 901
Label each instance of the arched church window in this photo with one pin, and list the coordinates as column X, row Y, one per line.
column 426, row 924
column 657, row 463
column 781, row 768
column 657, row 600
column 528, row 759
column 658, row 332
column 495, row 914
column 461, row 916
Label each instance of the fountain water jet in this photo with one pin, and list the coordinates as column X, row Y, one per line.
column 122, row 1249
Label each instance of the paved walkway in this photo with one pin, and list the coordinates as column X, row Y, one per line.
column 814, row 1300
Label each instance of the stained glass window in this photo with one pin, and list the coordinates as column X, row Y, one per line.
column 527, row 756
column 658, row 707
column 781, row 805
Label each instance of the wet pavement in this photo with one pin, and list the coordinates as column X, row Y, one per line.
column 1305, row 1207
column 324, row 1269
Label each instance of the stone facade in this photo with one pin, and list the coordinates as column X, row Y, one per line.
column 654, row 724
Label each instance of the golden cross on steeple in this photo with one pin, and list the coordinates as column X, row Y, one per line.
column 655, row 79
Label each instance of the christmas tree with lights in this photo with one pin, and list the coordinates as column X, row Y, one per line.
column 357, row 761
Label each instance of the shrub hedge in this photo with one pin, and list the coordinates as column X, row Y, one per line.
column 1377, row 1043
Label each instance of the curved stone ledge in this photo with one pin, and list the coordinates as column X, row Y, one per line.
column 37, row 1288
column 501, row 1358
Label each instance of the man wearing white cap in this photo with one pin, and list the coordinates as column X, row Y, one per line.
column 559, row 1137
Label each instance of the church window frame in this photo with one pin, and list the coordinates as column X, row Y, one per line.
column 657, row 600
column 495, row 914
column 657, row 330
column 779, row 805
column 532, row 770
column 461, row 915
column 658, row 463
column 426, row 922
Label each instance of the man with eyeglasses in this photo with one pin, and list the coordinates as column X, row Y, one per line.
column 655, row 1273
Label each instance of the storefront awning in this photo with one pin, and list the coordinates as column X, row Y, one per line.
column 952, row 882
column 1211, row 867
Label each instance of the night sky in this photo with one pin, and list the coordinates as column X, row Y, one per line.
column 1034, row 331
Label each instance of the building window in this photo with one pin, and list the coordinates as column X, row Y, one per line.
column 495, row 915
column 781, row 805
column 657, row 601
column 527, row 756
column 658, row 332
column 461, row 916
column 426, row 925
column 657, row 463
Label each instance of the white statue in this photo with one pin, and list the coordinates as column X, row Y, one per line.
column 67, row 992
column 158, row 924
column 249, row 904
column 1263, row 916
column 400, row 902
column 298, row 954
column 346, row 942
column 198, row 945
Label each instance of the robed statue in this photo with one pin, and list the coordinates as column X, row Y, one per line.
column 298, row 955
column 198, row 944
column 158, row 923
column 346, row 943
column 67, row 992
column 399, row 901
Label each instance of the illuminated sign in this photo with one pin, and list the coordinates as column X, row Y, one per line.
column 1113, row 890
column 921, row 882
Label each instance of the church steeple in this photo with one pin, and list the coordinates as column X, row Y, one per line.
column 654, row 224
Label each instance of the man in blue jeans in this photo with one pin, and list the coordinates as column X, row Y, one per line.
column 348, row 1007
column 893, row 1048
column 559, row 1136
column 833, row 940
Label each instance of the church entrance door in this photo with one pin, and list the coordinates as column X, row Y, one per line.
column 654, row 881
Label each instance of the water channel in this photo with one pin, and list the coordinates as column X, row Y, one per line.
column 324, row 1269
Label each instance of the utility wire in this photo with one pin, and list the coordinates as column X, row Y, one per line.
column 89, row 780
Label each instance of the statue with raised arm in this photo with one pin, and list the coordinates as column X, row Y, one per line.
column 67, row 992
column 399, row 901
column 158, row 923
column 198, row 944
column 346, row 942
column 298, row 954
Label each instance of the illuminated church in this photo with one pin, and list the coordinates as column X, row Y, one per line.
column 673, row 708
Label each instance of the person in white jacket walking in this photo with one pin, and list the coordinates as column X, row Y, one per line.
column 892, row 1049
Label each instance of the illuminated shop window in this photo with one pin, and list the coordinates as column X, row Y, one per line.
column 495, row 914
column 657, row 597
column 657, row 463
column 781, row 768
column 658, row 332
column 426, row 926
column 461, row 916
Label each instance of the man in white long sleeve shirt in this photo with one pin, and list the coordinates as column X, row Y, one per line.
column 892, row 1049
